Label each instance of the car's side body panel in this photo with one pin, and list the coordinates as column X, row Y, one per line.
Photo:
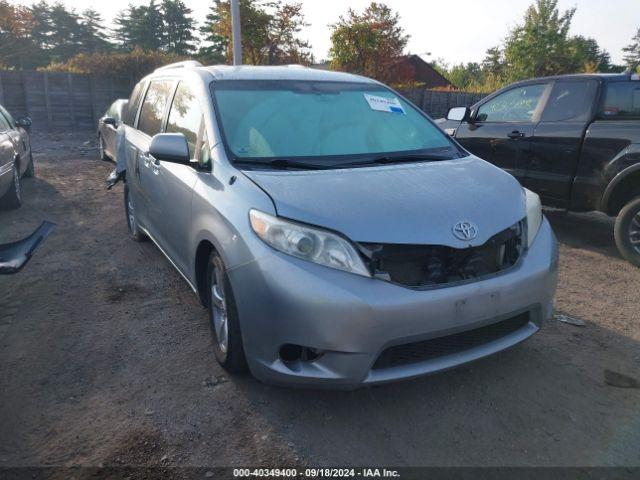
column 7, row 158
column 610, row 147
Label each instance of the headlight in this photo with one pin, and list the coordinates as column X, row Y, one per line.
column 308, row 243
column 534, row 215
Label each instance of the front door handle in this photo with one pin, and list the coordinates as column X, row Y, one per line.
column 515, row 134
column 146, row 161
column 154, row 163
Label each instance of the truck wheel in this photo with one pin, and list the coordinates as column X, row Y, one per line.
column 223, row 318
column 627, row 231
column 132, row 222
column 13, row 197
column 30, row 172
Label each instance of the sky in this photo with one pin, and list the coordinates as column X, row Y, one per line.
column 456, row 31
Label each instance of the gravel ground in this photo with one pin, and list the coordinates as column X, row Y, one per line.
column 105, row 359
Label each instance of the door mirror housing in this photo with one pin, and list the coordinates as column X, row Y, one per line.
column 458, row 114
column 24, row 122
column 110, row 121
column 170, row 147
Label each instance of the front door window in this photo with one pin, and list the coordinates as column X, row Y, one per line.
column 519, row 104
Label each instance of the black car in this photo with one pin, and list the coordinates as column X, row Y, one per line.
column 573, row 139
column 16, row 160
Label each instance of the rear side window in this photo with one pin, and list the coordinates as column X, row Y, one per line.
column 153, row 107
column 570, row 100
column 621, row 101
column 185, row 116
column 129, row 116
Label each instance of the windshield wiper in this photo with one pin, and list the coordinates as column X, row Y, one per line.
column 401, row 158
column 284, row 163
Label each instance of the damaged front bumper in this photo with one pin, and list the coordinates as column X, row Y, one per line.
column 305, row 324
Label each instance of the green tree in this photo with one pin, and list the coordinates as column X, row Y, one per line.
column 93, row 36
column 540, row 46
column 587, row 55
column 632, row 52
column 178, row 27
column 270, row 33
column 65, row 32
column 369, row 43
column 140, row 27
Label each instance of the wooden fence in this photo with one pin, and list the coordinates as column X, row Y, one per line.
column 60, row 101
column 436, row 103
column 63, row 101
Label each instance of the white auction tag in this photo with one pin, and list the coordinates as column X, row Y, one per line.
column 382, row 104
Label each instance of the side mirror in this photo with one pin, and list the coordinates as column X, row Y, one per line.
column 458, row 114
column 170, row 147
column 24, row 122
column 110, row 121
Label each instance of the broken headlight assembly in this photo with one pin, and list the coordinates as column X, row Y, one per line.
column 534, row 215
column 308, row 243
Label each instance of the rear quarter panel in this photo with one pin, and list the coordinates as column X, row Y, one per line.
column 609, row 147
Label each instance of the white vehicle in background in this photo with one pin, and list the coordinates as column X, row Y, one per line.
column 107, row 127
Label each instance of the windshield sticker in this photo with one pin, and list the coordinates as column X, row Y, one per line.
column 382, row 104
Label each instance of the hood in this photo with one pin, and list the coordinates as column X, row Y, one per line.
column 417, row 203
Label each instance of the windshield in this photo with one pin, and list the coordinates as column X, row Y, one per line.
column 323, row 122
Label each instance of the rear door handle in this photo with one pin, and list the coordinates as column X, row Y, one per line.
column 515, row 134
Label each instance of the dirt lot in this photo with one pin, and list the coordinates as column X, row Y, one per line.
column 105, row 359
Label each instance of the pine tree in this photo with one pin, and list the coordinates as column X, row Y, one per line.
column 64, row 34
column 93, row 37
column 178, row 27
column 632, row 52
column 140, row 27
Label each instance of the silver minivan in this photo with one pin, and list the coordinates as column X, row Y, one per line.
column 335, row 234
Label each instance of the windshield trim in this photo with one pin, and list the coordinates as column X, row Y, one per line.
column 263, row 162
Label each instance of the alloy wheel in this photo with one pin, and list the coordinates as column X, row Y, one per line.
column 131, row 215
column 219, row 309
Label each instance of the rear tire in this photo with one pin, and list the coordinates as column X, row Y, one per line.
column 627, row 231
column 13, row 198
column 135, row 232
column 30, row 172
column 223, row 318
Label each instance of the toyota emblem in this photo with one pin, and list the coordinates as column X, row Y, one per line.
column 465, row 231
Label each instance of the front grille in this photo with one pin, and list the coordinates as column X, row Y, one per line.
column 423, row 266
column 440, row 347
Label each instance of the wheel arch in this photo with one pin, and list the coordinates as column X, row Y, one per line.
column 203, row 252
column 624, row 186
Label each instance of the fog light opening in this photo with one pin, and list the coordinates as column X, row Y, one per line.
column 290, row 353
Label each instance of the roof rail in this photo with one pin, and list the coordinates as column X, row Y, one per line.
column 185, row 64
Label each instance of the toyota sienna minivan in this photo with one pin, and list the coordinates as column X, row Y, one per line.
column 335, row 234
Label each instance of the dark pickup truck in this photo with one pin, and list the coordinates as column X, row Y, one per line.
column 573, row 139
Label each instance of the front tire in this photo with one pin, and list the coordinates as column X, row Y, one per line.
column 223, row 318
column 627, row 231
column 132, row 222
column 30, row 172
column 13, row 198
